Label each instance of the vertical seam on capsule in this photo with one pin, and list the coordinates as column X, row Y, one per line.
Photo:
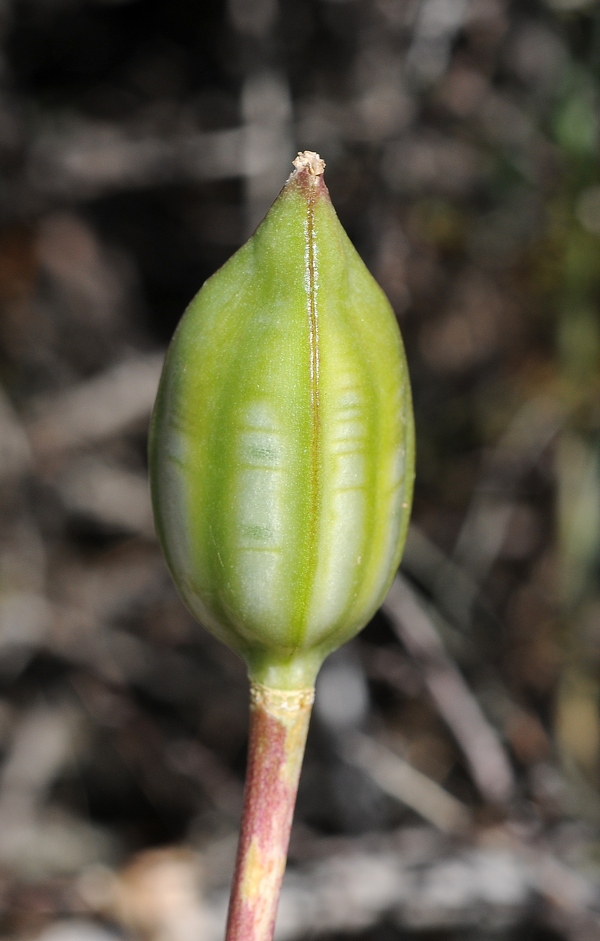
column 311, row 286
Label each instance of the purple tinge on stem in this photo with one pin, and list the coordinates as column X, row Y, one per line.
column 278, row 727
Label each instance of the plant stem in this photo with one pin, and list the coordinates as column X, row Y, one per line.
column 278, row 727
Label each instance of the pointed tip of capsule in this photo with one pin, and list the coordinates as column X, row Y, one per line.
column 308, row 172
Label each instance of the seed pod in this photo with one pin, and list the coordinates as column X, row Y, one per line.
column 281, row 447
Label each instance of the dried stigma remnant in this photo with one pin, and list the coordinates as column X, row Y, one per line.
column 307, row 160
column 282, row 462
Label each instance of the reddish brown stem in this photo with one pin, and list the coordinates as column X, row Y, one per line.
column 278, row 726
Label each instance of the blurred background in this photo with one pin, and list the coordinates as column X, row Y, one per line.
column 451, row 786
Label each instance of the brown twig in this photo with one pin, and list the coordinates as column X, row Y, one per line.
column 487, row 760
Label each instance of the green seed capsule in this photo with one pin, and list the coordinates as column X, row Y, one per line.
column 282, row 443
